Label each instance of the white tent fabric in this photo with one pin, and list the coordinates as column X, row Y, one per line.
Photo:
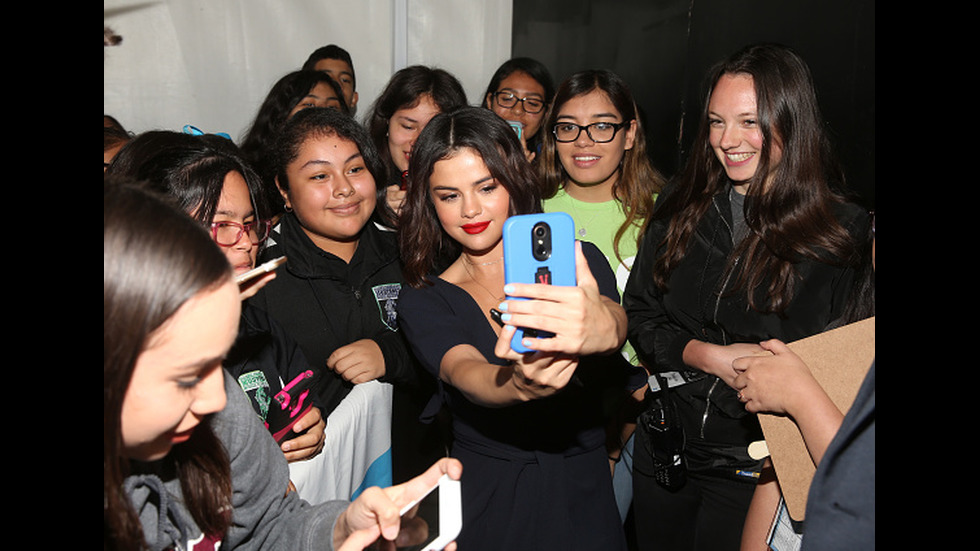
column 210, row 63
column 357, row 448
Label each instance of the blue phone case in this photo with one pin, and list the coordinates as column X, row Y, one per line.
column 525, row 261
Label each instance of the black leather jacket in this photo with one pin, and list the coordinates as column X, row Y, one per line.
column 662, row 323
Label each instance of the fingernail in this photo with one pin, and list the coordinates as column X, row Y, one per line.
column 508, row 289
column 502, row 307
column 505, row 317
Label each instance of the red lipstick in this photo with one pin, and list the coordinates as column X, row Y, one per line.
column 475, row 228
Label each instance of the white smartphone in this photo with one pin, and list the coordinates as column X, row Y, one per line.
column 260, row 270
column 442, row 511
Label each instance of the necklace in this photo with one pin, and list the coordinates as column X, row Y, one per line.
column 582, row 230
column 583, row 227
column 482, row 263
column 466, row 266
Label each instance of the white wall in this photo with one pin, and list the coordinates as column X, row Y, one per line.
column 210, row 63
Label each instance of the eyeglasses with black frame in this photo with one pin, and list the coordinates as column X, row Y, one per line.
column 508, row 100
column 228, row 233
column 599, row 132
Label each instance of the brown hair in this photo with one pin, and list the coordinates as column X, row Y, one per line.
column 155, row 258
column 638, row 181
column 790, row 202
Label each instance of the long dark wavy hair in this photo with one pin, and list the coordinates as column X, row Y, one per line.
column 422, row 240
column 638, row 182
column 258, row 140
column 790, row 203
column 155, row 259
column 404, row 90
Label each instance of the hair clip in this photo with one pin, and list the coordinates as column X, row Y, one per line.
column 195, row 131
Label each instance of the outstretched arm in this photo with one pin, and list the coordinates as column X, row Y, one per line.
column 376, row 513
column 528, row 376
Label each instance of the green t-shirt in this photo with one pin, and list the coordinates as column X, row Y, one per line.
column 598, row 224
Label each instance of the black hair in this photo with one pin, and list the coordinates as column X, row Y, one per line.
column 189, row 168
column 330, row 51
column 284, row 96
column 404, row 90
column 320, row 122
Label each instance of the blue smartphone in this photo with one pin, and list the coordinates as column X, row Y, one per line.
column 538, row 248
column 518, row 128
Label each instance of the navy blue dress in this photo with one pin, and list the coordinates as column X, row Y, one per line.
column 535, row 475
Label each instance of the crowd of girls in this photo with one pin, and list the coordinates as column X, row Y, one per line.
column 393, row 233
column 185, row 462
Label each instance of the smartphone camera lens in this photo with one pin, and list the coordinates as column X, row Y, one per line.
column 541, row 241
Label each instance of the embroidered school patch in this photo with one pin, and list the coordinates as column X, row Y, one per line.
column 387, row 298
column 257, row 387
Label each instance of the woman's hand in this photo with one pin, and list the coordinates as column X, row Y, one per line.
column 779, row 382
column 583, row 321
column 358, row 362
column 376, row 513
column 535, row 374
column 528, row 154
column 395, row 197
column 716, row 359
column 310, row 428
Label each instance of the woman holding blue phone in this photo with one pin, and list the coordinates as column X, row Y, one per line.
column 527, row 426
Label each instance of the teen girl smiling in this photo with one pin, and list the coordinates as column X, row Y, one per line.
column 594, row 166
column 754, row 241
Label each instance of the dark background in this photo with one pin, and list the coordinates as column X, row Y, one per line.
column 663, row 48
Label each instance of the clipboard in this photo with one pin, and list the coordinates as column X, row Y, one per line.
column 839, row 360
